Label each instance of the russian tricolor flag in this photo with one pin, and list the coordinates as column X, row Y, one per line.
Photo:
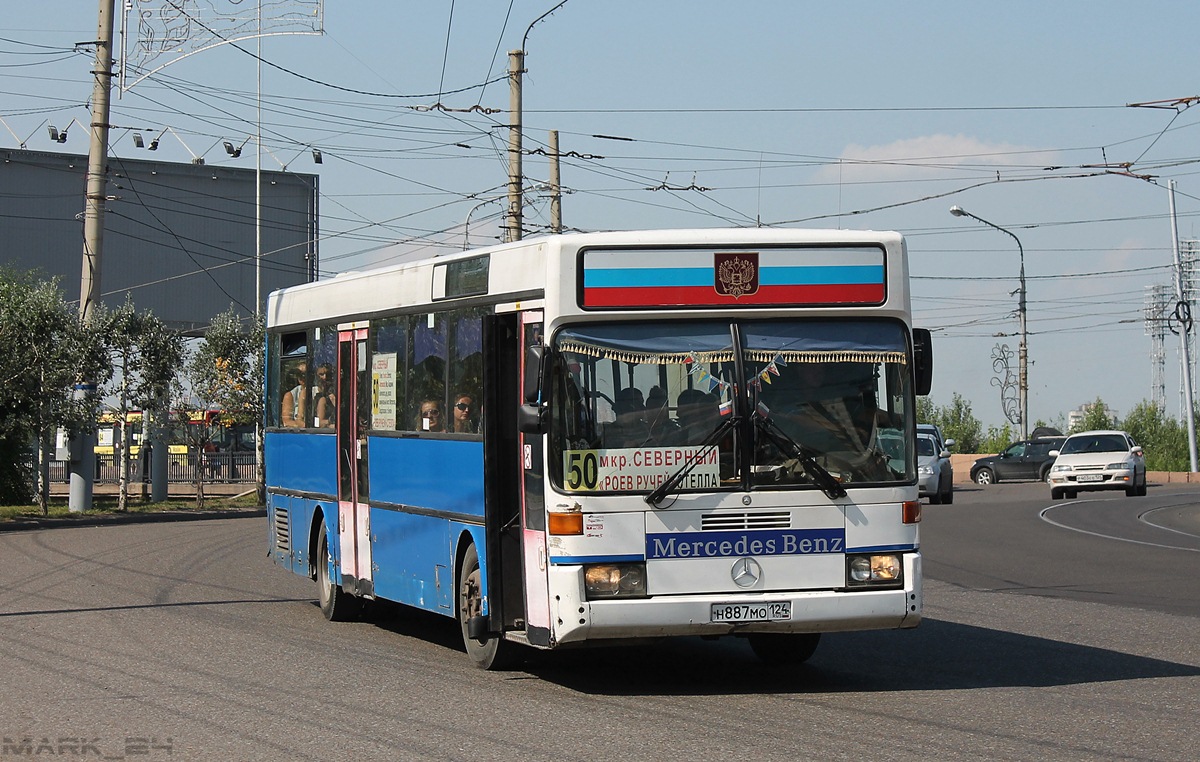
column 692, row 277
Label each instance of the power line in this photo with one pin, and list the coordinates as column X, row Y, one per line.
column 828, row 109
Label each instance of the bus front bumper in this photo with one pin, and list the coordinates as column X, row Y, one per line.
column 577, row 620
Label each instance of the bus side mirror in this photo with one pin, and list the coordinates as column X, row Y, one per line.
column 531, row 419
column 531, row 416
column 922, row 361
column 531, row 388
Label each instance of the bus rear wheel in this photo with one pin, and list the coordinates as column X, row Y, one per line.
column 784, row 648
column 494, row 653
column 336, row 604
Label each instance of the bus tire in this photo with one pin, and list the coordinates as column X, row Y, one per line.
column 336, row 604
column 784, row 648
column 494, row 653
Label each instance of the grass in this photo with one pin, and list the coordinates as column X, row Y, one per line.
column 106, row 505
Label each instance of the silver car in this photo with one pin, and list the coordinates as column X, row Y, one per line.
column 935, row 477
column 1093, row 460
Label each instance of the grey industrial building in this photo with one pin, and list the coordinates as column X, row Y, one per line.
column 180, row 238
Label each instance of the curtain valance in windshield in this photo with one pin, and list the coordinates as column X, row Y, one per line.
column 668, row 343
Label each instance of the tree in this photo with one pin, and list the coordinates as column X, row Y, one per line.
column 1095, row 418
column 961, row 425
column 927, row 412
column 997, row 439
column 956, row 421
column 1164, row 440
column 148, row 356
column 45, row 349
column 226, row 375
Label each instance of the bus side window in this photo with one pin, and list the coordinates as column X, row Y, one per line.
column 294, row 382
column 428, row 389
column 465, row 415
column 323, row 407
column 389, row 344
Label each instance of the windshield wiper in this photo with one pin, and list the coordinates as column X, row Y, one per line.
column 674, row 480
column 804, row 455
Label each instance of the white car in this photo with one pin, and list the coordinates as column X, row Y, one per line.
column 1094, row 460
column 935, row 477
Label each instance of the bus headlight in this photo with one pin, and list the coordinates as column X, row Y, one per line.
column 614, row 580
column 874, row 570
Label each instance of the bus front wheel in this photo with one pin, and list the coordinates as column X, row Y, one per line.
column 494, row 652
column 336, row 604
column 784, row 648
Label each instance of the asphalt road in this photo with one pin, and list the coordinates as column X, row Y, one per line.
column 1041, row 642
column 1102, row 546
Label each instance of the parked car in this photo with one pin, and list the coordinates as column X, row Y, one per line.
column 1095, row 460
column 932, row 430
column 935, row 477
column 1027, row 459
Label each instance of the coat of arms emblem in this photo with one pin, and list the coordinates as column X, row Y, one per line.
column 736, row 273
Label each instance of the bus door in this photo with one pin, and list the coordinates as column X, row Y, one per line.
column 514, row 509
column 533, row 504
column 353, row 409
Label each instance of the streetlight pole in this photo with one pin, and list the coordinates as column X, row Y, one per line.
column 1023, row 354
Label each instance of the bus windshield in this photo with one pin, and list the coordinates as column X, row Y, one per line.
column 633, row 403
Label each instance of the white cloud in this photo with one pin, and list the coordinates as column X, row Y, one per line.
column 930, row 156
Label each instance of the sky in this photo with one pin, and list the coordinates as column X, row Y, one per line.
column 854, row 115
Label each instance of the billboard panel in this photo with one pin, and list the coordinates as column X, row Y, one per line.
column 180, row 238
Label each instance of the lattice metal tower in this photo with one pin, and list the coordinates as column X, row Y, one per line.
column 1189, row 278
column 1156, row 311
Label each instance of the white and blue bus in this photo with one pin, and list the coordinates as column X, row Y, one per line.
column 585, row 438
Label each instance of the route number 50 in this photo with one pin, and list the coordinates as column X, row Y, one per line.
column 582, row 470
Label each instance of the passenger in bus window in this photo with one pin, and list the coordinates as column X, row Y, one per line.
column 658, row 417
column 324, row 398
column 430, row 417
column 294, row 406
column 630, row 429
column 699, row 414
column 464, row 412
column 820, row 409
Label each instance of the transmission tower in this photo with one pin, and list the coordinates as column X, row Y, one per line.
column 1156, row 312
column 1189, row 273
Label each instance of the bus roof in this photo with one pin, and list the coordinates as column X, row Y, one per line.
column 522, row 271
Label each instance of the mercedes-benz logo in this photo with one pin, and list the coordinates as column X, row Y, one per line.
column 746, row 572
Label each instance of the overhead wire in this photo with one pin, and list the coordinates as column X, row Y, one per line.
column 446, row 52
column 496, row 52
column 695, row 208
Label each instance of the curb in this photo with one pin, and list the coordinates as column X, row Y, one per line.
column 21, row 523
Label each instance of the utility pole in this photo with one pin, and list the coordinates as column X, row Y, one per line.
column 513, row 220
column 1184, row 351
column 83, row 470
column 555, row 186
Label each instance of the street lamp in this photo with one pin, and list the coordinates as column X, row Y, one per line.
column 1023, row 354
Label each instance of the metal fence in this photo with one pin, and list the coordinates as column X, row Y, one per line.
column 219, row 467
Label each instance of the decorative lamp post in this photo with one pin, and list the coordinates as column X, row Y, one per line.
column 1023, row 353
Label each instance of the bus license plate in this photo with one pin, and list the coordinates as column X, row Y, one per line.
column 1090, row 478
column 751, row 612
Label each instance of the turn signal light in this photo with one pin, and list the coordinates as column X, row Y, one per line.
column 912, row 511
column 565, row 523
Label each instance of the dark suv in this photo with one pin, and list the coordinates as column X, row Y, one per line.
column 1027, row 459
